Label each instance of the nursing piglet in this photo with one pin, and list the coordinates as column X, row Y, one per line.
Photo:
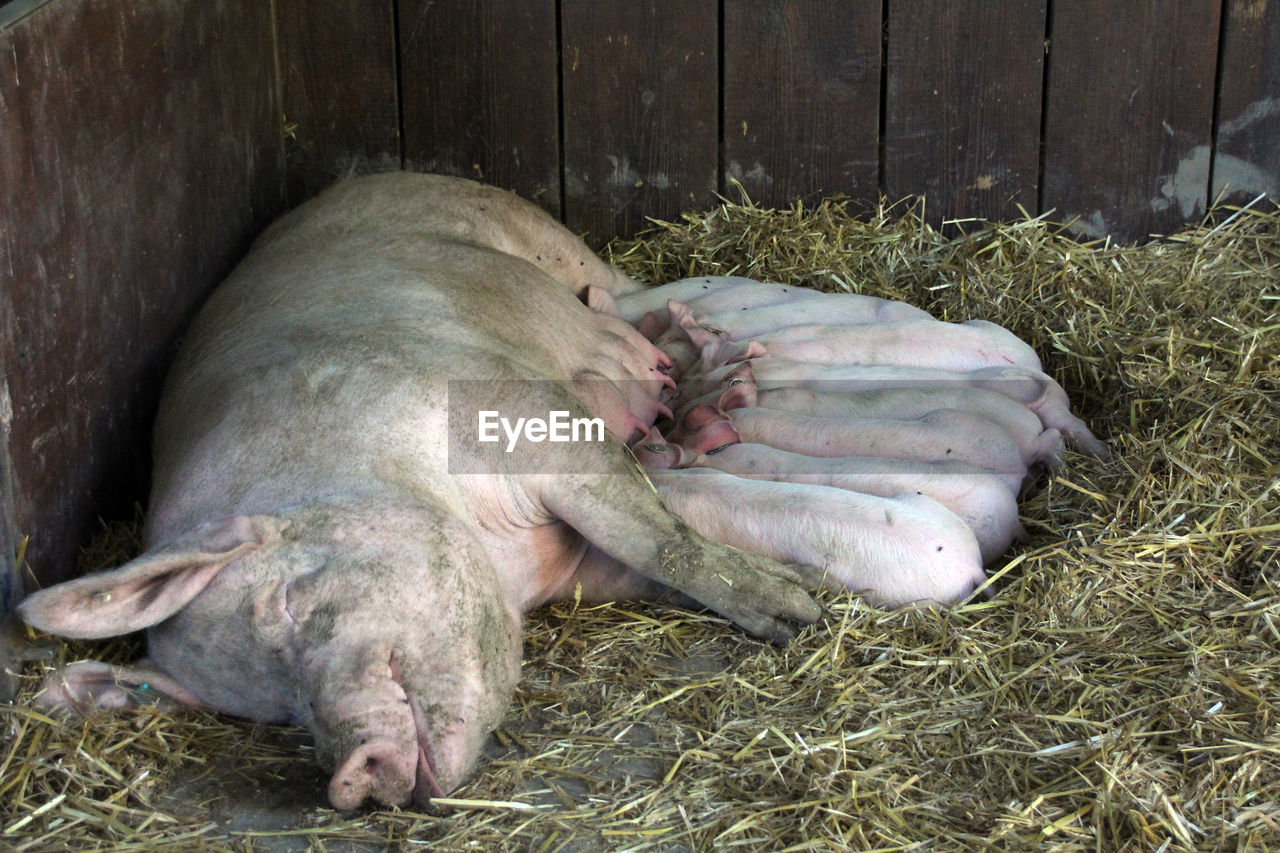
column 823, row 308
column 971, row 345
column 899, row 550
column 937, row 436
column 1035, row 443
column 708, row 294
column 978, row 498
column 1038, row 392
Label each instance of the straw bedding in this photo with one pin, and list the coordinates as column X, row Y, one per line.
column 1121, row 691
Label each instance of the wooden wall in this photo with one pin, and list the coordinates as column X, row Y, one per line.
column 144, row 143
column 139, row 153
column 1125, row 118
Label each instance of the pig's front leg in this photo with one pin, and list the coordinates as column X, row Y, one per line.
column 620, row 513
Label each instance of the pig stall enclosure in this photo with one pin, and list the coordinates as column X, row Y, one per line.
column 1120, row 688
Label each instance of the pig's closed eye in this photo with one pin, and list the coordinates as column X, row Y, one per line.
column 299, row 596
column 292, row 609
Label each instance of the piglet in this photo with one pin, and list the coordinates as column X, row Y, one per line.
column 1036, row 444
column 942, row 435
column 898, row 550
column 823, row 308
column 710, row 294
column 977, row 497
column 1033, row 389
column 971, row 345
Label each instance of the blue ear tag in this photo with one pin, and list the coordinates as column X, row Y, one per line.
column 144, row 695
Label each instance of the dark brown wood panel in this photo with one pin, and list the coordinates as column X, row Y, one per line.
column 480, row 93
column 962, row 105
column 1248, row 156
column 802, row 99
column 640, row 112
column 338, row 85
column 140, row 150
column 1128, row 115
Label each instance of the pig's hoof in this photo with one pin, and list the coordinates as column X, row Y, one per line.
column 764, row 597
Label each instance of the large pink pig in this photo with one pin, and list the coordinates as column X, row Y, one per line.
column 897, row 550
column 331, row 543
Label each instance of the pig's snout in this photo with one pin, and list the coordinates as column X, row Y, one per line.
column 380, row 769
column 386, row 747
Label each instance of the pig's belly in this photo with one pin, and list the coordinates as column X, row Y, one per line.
column 533, row 561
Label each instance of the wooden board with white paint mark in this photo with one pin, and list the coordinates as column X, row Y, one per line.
column 640, row 112
column 11, row 583
column 1247, row 162
column 1129, row 112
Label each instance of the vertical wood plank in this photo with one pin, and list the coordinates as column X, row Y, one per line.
column 480, row 93
column 1128, row 114
column 962, row 105
column 338, row 87
column 11, row 585
column 1248, row 152
column 802, row 99
column 140, row 151
column 641, row 112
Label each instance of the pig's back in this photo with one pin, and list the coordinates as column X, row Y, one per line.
column 322, row 365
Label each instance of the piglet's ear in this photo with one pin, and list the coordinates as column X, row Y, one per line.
column 650, row 326
column 601, row 301
column 740, row 395
column 151, row 588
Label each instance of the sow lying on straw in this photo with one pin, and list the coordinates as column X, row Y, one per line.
column 1119, row 692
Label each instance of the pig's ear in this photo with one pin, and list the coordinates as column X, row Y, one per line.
column 601, row 301
column 703, row 338
column 82, row 687
column 149, row 589
column 699, row 416
column 740, row 395
column 682, row 315
column 687, row 458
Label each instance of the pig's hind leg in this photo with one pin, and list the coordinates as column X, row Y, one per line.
column 600, row 578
